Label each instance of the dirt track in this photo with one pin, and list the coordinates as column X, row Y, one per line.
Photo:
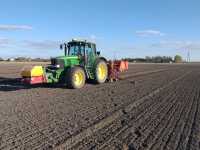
column 155, row 107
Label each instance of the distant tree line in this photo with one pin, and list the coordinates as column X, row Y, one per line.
column 25, row 59
column 147, row 59
column 155, row 59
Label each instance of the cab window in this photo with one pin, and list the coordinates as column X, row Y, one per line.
column 89, row 50
column 75, row 50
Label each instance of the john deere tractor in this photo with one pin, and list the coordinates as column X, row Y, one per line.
column 81, row 62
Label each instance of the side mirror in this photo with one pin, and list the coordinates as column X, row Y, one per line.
column 98, row 53
column 61, row 46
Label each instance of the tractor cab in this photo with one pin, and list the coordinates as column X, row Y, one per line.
column 78, row 47
column 76, row 52
column 84, row 51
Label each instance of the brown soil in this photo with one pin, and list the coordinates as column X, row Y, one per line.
column 154, row 107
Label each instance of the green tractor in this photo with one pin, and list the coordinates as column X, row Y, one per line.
column 81, row 62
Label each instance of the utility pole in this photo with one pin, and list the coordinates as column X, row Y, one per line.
column 188, row 56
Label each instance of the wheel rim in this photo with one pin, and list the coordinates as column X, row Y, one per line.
column 102, row 71
column 78, row 78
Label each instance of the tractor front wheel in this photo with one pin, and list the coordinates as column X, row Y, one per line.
column 75, row 77
column 101, row 71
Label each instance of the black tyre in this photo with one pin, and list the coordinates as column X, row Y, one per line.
column 75, row 77
column 101, row 71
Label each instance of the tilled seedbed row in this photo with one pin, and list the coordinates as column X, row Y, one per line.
column 184, row 95
column 148, row 80
column 117, row 128
column 146, row 107
column 168, row 132
column 138, row 138
column 194, row 137
column 146, row 111
column 123, row 91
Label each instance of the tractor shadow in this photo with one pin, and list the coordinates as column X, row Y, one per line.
column 15, row 84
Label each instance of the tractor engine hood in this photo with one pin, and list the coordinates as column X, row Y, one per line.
column 65, row 61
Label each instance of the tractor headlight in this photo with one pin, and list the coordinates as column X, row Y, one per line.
column 57, row 66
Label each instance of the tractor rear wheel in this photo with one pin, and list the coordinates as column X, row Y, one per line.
column 101, row 71
column 75, row 77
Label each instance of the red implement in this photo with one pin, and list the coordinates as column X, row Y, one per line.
column 115, row 67
column 34, row 80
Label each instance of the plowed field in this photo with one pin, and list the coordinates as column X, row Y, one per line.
column 154, row 107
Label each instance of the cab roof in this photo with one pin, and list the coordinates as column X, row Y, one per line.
column 80, row 41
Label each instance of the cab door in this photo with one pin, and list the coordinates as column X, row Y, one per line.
column 90, row 57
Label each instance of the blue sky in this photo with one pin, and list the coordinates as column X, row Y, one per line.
column 128, row 28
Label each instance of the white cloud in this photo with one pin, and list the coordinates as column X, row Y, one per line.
column 148, row 33
column 46, row 44
column 5, row 42
column 178, row 45
column 4, row 27
column 93, row 37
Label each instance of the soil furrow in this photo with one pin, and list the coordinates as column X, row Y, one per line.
column 169, row 144
column 163, row 134
column 194, row 137
column 185, row 131
column 124, row 119
column 163, row 127
column 155, row 107
column 179, row 78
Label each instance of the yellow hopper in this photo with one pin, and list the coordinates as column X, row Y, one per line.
column 34, row 71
